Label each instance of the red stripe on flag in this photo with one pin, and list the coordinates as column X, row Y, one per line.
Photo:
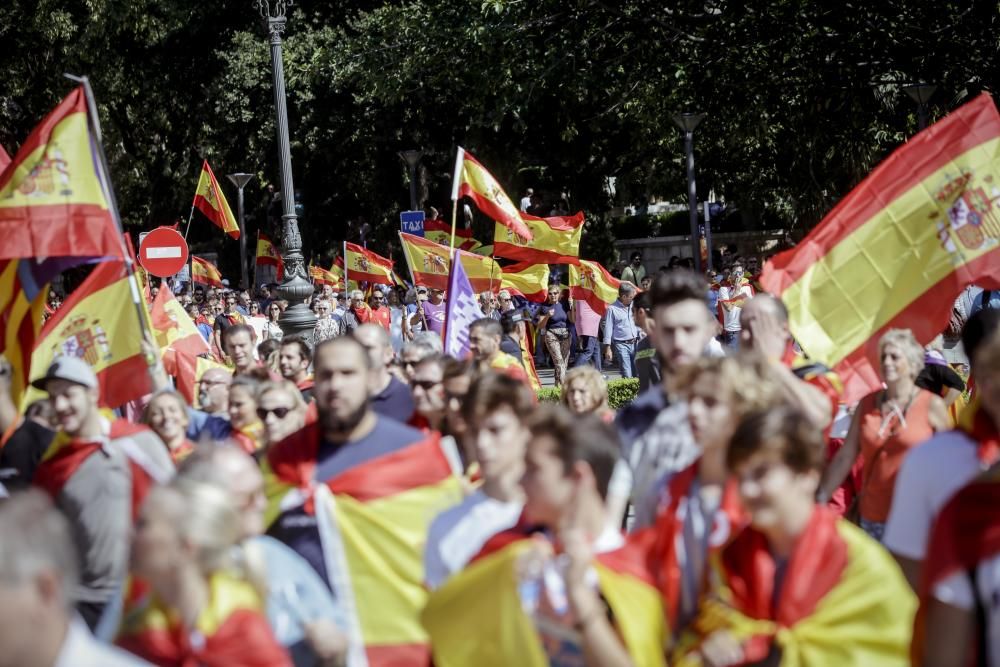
column 125, row 381
column 422, row 463
column 70, row 230
column 442, row 226
column 398, row 655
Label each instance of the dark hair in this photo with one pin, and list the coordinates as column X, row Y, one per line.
column 436, row 358
column 492, row 391
column 783, row 433
column 349, row 341
column 641, row 301
column 978, row 329
column 454, row 368
column 488, row 325
column 626, row 289
column 579, row 438
column 676, row 286
column 634, row 256
column 304, row 350
column 231, row 331
column 267, row 348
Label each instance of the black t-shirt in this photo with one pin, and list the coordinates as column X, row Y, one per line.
column 22, row 453
column 935, row 377
column 511, row 347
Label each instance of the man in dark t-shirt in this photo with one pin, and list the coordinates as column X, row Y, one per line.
column 24, row 449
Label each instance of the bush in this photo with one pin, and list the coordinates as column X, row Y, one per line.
column 621, row 392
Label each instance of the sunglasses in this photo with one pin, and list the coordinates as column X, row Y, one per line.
column 280, row 413
column 424, row 384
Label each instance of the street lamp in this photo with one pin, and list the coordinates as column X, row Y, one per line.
column 412, row 159
column 295, row 287
column 921, row 93
column 240, row 180
column 687, row 122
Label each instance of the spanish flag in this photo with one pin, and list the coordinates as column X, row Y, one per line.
column 429, row 264
column 205, row 273
column 373, row 518
column 365, row 266
column 99, row 324
column 477, row 617
column 208, row 199
column 173, row 328
column 53, row 201
column 528, row 280
column 187, row 370
column 321, row 276
column 591, row 282
column 897, row 250
column 473, row 181
column 268, row 255
column 439, row 231
column 556, row 240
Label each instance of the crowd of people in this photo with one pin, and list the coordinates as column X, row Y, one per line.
column 358, row 497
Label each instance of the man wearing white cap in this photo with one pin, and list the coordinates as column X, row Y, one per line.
column 97, row 471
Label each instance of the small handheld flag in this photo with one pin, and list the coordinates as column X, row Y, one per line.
column 208, row 199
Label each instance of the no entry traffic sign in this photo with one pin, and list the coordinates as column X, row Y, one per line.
column 163, row 252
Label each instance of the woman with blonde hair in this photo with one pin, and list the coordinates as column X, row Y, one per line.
column 167, row 414
column 247, row 429
column 585, row 391
column 280, row 409
column 886, row 425
column 184, row 604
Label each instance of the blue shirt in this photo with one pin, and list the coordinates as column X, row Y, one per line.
column 619, row 325
column 977, row 303
column 394, row 402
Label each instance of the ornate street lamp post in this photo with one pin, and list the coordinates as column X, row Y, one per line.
column 295, row 288
column 687, row 122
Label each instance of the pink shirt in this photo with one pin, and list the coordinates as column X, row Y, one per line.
column 587, row 319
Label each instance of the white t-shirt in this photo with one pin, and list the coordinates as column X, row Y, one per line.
column 956, row 591
column 731, row 317
column 930, row 475
column 459, row 533
column 80, row 649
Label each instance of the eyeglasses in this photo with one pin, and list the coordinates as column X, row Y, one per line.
column 504, row 300
column 280, row 413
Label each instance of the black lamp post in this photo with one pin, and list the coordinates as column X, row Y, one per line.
column 412, row 159
column 295, row 287
column 921, row 93
column 240, row 180
column 687, row 122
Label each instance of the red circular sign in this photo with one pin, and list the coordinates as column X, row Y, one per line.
column 163, row 252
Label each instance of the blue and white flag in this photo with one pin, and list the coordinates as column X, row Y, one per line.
column 461, row 311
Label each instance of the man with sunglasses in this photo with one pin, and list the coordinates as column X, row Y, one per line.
column 359, row 312
column 429, row 395
column 229, row 316
column 380, row 313
column 389, row 396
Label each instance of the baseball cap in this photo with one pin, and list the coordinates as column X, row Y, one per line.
column 71, row 369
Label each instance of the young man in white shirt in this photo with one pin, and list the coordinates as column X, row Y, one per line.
column 732, row 295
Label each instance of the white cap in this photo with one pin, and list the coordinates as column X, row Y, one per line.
column 71, row 369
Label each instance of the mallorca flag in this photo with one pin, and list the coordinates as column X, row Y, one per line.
column 173, row 327
column 208, row 199
column 439, row 231
column 205, row 273
column 556, row 240
column 477, row 617
column 321, row 276
column 528, row 280
column 53, row 202
column 365, row 266
column 373, row 518
column 473, row 181
column 429, row 264
column 897, row 250
column 99, row 324
column 592, row 283
column 268, row 255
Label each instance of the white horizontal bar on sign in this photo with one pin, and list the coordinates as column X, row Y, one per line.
column 163, row 253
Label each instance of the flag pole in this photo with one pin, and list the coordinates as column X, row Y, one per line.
column 346, row 275
column 105, row 177
column 255, row 249
column 459, row 159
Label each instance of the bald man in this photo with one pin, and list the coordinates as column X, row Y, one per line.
column 389, row 396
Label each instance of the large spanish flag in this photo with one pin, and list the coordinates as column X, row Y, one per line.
column 100, row 324
column 556, row 240
column 592, row 283
column 365, row 266
column 429, row 264
column 205, row 273
column 373, row 520
column 897, row 250
column 268, row 255
column 53, row 202
column 526, row 279
column 208, row 199
column 473, row 181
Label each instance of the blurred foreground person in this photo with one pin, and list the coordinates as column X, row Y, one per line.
column 585, row 391
column 39, row 573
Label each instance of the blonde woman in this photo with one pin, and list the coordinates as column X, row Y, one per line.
column 184, row 605
column 585, row 391
column 280, row 409
column 886, row 425
column 248, row 431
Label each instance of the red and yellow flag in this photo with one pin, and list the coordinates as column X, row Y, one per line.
column 268, row 255
column 473, row 181
column 99, row 324
column 526, row 279
column 173, row 328
column 439, row 231
column 556, row 240
column 53, row 202
column 188, row 370
column 321, row 276
column 429, row 264
column 208, row 199
column 205, row 273
column 897, row 250
column 365, row 266
column 592, row 283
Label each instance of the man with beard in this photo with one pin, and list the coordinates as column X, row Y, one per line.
column 352, row 484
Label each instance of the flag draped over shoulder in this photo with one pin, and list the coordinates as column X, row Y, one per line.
column 430, row 263
column 205, row 273
column 897, row 250
column 530, row 281
column 472, row 180
column 99, row 324
column 556, row 240
column 591, row 282
column 365, row 266
column 208, row 199
column 268, row 255
column 53, row 201
column 462, row 310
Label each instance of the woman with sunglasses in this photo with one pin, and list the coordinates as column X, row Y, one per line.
column 281, row 409
column 272, row 330
column 886, row 425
